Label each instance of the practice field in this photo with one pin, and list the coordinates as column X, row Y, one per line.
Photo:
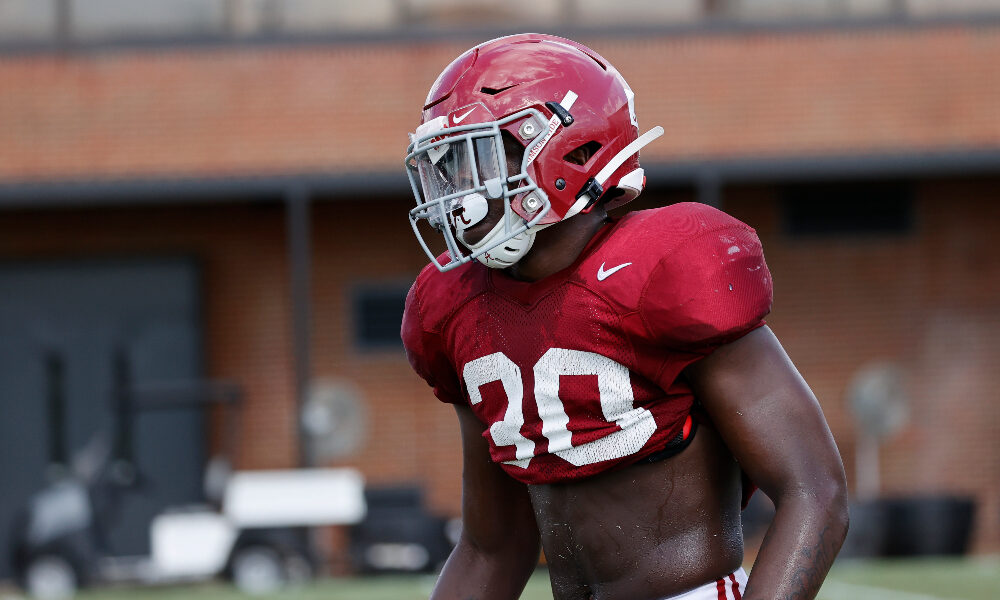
column 973, row 579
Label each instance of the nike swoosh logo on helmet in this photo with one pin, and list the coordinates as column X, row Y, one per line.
column 458, row 120
column 602, row 274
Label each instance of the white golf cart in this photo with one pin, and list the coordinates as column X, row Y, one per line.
column 254, row 527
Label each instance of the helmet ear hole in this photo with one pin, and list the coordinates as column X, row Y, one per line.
column 612, row 194
column 582, row 154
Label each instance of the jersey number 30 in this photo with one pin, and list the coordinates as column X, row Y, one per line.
column 617, row 405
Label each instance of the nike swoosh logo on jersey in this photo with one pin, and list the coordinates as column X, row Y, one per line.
column 462, row 118
column 602, row 274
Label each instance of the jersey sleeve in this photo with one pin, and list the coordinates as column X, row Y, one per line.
column 425, row 351
column 712, row 289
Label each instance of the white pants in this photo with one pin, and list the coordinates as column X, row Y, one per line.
column 730, row 587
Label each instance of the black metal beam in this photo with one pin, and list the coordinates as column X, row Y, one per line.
column 158, row 190
column 709, row 186
column 299, row 240
column 365, row 186
column 847, row 166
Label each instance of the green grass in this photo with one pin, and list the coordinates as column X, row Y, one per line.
column 931, row 579
column 971, row 579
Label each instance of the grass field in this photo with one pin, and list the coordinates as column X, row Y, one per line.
column 931, row 579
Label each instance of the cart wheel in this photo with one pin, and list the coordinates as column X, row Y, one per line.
column 50, row 577
column 258, row 570
column 298, row 569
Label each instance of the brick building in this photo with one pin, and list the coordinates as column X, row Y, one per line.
column 866, row 155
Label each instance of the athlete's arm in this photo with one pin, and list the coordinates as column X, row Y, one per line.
column 499, row 545
column 772, row 423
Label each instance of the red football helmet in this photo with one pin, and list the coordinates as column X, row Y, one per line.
column 552, row 96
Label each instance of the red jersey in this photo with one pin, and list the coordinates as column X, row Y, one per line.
column 579, row 372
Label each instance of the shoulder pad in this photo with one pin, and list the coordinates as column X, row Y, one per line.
column 621, row 267
column 712, row 287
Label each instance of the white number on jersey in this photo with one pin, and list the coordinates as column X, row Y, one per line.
column 616, row 397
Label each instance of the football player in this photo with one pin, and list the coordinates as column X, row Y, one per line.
column 618, row 393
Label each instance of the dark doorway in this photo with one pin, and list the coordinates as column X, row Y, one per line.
column 85, row 313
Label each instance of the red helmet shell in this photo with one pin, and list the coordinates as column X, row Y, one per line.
column 510, row 74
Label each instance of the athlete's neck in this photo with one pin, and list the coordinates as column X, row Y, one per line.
column 556, row 247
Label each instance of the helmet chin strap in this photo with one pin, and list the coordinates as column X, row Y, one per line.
column 507, row 253
column 474, row 209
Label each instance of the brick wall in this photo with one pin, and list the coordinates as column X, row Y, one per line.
column 928, row 301
column 278, row 109
column 412, row 438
